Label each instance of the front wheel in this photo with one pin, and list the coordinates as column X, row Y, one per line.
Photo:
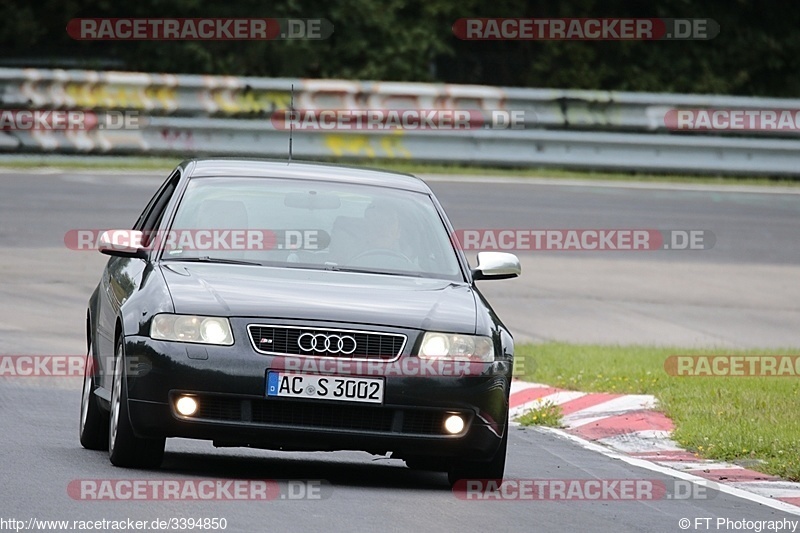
column 492, row 470
column 124, row 447
column 93, row 427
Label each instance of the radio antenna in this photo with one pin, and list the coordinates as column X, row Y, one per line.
column 291, row 122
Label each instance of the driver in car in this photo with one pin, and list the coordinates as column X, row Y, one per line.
column 384, row 234
column 383, row 227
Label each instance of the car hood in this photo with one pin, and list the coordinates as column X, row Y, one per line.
column 285, row 293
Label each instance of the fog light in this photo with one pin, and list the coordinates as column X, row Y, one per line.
column 186, row 405
column 454, row 424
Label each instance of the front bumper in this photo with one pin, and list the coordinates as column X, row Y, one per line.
column 230, row 384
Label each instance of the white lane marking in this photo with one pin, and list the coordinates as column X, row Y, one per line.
column 71, row 178
column 697, row 480
column 699, row 465
column 142, row 180
column 557, row 398
column 519, row 386
column 771, row 489
column 611, row 184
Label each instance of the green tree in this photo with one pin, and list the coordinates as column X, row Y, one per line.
column 756, row 53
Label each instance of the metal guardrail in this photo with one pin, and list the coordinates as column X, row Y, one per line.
column 190, row 114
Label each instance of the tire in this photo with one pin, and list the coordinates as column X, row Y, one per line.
column 491, row 470
column 93, row 423
column 125, row 449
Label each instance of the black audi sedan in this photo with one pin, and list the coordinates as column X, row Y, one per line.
column 297, row 306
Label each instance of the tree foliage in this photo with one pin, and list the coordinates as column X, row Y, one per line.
column 756, row 53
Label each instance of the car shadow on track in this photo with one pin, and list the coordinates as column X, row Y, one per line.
column 377, row 474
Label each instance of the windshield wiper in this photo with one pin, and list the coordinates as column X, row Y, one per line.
column 207, row 259
column 337, row 268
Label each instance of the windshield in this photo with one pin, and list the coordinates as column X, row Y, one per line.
column 309, row 224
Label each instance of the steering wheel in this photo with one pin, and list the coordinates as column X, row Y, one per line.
column 382, row 251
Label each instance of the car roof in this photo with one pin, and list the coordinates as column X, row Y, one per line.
column 267, row 168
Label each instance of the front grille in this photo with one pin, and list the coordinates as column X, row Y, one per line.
column 350, row 344
column 308, row 415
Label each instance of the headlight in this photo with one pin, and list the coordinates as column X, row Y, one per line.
column 457, row 346
column 188, row 328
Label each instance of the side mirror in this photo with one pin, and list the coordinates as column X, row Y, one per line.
column 122, row 243
column 496, row 265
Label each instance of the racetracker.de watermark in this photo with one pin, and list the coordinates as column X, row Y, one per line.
column 198, row 29
column 583, row 490
column 72, row 120
column 405, row 366
column 35, row 366
column 733, row 365
column 401, row 119
column 584, row 29
column 198, row 489
column 67, row 366
column 584, row 239
column 200, row 240
column 120, row 524
column 754, row 120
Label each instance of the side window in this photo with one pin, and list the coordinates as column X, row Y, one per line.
column 152, row 213
column 151, row 218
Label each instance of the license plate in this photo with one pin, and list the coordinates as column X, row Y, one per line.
column 316, row 387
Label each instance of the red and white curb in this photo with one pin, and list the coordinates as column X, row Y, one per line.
column 628, row 426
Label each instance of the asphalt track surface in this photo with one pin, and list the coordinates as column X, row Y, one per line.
column 743, row 292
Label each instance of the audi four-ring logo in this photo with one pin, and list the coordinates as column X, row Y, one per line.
column 319, row 342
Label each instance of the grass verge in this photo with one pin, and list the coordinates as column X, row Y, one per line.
column 748, row 420
column 543, row 414
column 85, row 162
